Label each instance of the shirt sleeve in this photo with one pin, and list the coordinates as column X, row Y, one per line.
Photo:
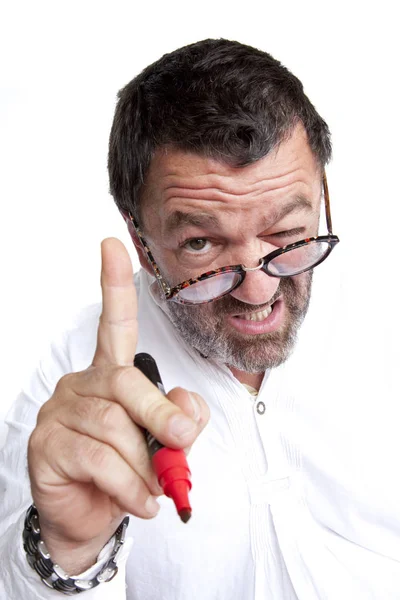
column 17, row 579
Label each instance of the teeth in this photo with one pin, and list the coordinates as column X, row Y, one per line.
column 258, row 316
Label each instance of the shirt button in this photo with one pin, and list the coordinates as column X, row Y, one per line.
column 260, row 407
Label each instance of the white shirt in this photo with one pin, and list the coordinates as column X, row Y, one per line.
column 295, row 493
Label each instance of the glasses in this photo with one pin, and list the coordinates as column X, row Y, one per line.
column 288, row 261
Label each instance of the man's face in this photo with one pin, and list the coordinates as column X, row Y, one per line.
column 200, row 214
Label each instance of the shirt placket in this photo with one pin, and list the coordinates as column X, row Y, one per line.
column 247, row 417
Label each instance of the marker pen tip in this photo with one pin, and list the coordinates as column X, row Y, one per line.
column 185, row 514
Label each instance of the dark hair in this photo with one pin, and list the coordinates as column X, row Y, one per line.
column 217, row 98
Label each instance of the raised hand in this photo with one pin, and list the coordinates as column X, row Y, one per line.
column 87, row 457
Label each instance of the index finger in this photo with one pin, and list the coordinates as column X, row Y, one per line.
column 117, row 332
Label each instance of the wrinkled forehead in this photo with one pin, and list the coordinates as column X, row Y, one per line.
column 180, row 181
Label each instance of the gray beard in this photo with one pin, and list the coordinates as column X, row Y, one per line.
column 204, row 328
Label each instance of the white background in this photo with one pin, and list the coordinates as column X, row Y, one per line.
column 62, row 64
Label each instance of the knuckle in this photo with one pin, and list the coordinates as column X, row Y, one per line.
column 158, row 412
column 95, row 374
column 44, row 441
column 63, row 390
column 53, row 440
column 44, row 412
column 65, row 383
column 110, row 415
column 34, row 442
column 120, row 378
column 87, row 408
column 98, row 456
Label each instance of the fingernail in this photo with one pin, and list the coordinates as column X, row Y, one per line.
column 181, row 426
column 196, row 407
column 152, row 506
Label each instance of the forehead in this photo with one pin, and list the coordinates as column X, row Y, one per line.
column 182, row 181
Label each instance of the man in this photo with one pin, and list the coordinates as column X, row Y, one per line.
column 217, row 166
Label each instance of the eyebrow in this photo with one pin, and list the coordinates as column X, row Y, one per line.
column 299, row 203
column 178, row 220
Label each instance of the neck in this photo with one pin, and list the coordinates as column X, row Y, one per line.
column 252, row 379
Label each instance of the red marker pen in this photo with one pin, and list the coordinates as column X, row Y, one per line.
column 169, row 465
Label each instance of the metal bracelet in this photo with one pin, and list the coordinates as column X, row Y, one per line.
column 52, row 574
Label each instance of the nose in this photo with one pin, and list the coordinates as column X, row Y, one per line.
column 257, row 287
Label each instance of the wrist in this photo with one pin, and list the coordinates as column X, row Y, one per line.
column 51, row 573
column 74, row 556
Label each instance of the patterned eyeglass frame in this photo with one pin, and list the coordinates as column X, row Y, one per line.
column 170, row 293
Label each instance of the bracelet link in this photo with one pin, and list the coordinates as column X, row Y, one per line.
column 52, row 575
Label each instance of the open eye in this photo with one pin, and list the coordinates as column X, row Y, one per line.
column 197, row 245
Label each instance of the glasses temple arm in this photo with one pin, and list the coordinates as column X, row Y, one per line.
column 164, row 285
column 327, row 204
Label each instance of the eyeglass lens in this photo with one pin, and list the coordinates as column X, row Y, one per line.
column 287, row 264
column 210, row 288
column 297, row 260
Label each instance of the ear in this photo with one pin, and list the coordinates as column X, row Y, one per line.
column 144, row 261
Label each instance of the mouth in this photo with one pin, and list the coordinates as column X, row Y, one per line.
column 256, row 316
column 266, row 320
